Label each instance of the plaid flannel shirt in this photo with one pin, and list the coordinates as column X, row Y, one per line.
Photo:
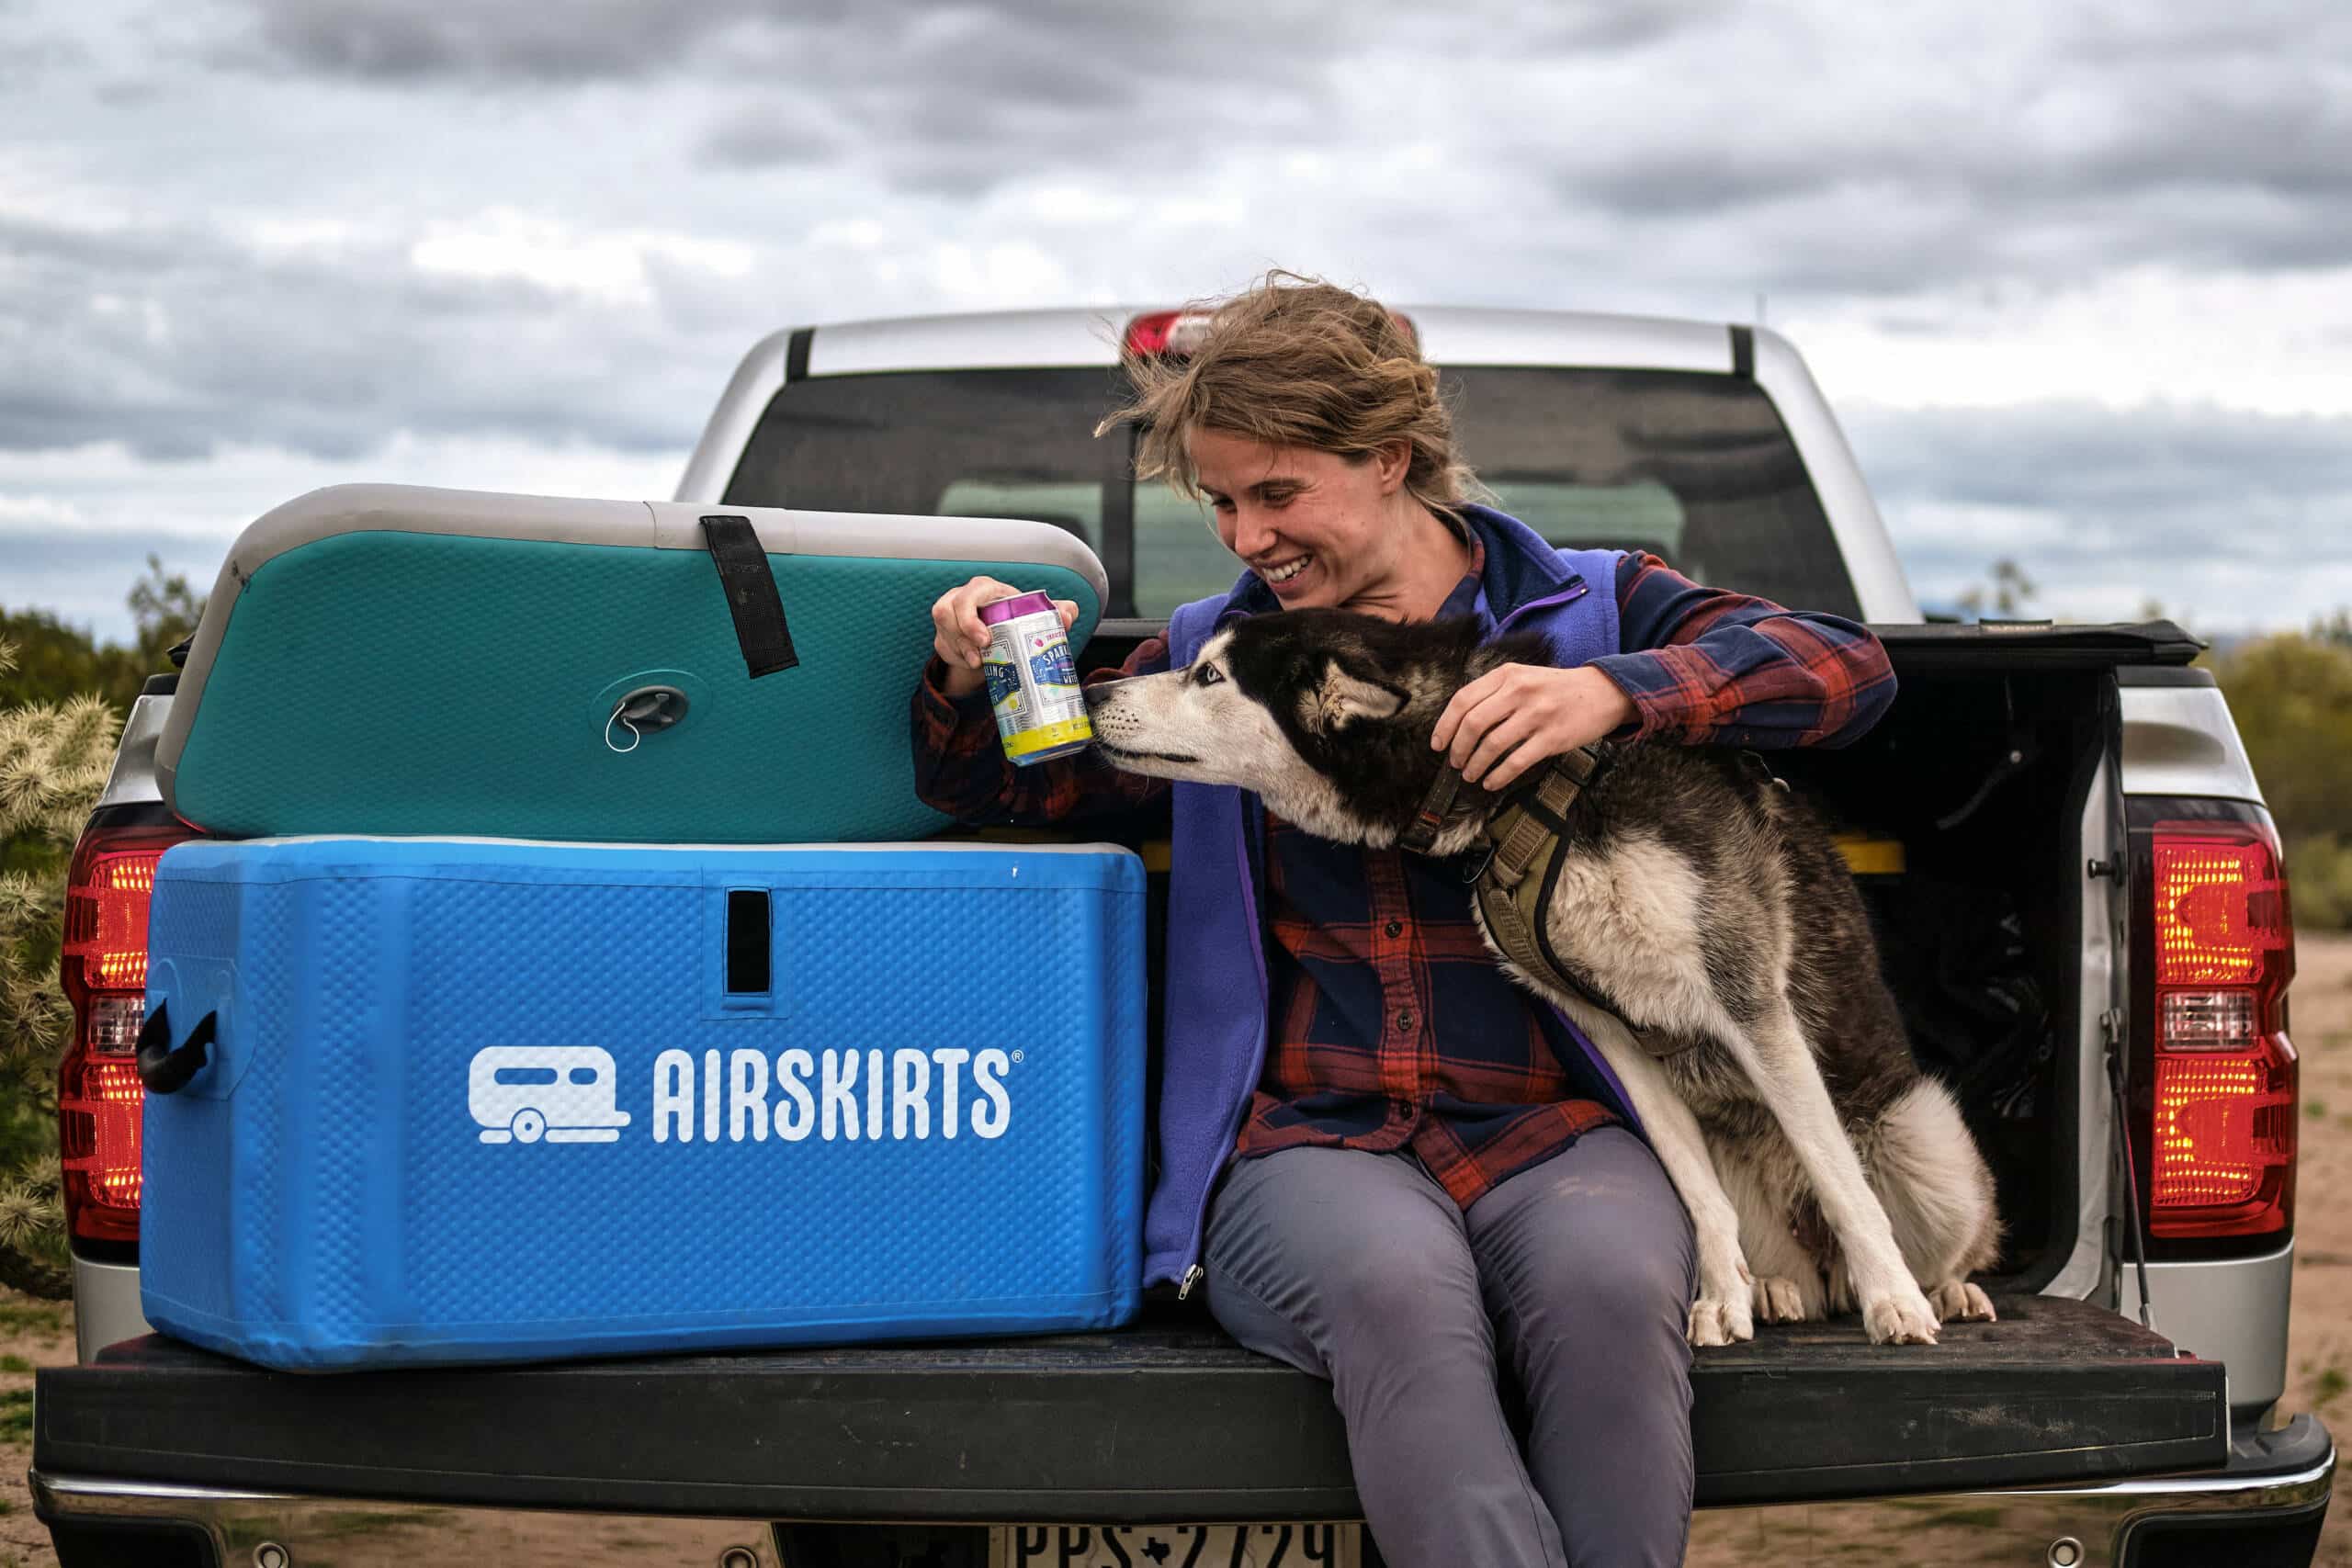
column 1391, row 1026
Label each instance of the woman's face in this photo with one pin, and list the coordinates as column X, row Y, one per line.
column 1318, row 529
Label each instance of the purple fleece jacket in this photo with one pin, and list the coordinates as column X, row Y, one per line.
column 1215, row 993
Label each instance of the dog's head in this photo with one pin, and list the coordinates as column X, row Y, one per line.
column 1325, row 713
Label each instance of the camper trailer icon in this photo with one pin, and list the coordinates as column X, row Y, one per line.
column 563, row 1093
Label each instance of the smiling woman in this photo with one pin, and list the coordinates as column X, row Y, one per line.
column 1390, row 1166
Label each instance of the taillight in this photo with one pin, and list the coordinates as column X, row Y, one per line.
column 1167, row 332
column 104, row 971
column 2221, row 1161
column 1179, row 332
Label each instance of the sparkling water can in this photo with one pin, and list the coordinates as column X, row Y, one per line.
column 1033, row 680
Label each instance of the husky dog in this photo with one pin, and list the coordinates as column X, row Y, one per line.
column 1717, row 952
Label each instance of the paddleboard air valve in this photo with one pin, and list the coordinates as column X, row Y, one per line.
column 646, row 711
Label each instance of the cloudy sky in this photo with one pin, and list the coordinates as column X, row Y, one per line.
column 2078, row 275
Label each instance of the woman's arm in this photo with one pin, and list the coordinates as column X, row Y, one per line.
column 1701, row 667
column 961, row 768
column 1705, row 667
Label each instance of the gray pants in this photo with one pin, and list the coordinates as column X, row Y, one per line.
column 1575, row 1275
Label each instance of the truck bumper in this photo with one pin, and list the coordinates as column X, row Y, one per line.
column 2265, row 1507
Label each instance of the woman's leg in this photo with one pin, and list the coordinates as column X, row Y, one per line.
column 1354, row 1266
column 1586, row 1260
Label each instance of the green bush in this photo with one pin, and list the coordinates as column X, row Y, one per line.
column 2319, row 877
column 2292, row 696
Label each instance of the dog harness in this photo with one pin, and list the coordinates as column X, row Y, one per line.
column 1516, row 866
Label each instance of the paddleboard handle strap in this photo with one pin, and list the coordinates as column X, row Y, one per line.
column 752, row 597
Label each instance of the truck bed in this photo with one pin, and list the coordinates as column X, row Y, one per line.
column 1167, row 1420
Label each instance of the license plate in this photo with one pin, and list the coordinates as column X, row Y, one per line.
column 1176, row 1546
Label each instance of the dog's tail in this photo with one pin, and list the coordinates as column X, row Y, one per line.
column 1935, row 1186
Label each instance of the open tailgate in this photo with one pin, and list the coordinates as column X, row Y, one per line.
column 1166, row 1421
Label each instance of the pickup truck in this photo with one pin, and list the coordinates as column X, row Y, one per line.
column 2082, row 910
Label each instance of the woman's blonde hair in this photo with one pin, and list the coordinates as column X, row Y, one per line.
column 1293, row 361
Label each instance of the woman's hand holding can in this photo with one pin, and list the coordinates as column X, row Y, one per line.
column 961, row 638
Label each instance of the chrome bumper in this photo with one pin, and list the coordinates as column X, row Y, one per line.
column 266, row 1530
column 2071, row 1526
column 2076, row 1527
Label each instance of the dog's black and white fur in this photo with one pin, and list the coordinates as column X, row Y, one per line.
column 1824, row 1172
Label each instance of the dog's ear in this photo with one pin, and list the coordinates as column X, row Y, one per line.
column 1343, row 697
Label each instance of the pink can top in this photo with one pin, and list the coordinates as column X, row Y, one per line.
column 1015, row 607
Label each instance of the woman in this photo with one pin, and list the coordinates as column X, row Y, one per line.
column 1391, row 1168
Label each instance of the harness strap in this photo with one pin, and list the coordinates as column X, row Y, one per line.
column 1416, row 838
column 1534, row 820
column 1514, row 888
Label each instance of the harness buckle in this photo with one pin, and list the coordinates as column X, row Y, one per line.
column 1472, row 865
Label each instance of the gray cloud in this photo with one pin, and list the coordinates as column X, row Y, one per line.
column 94, row 555
column 767, row 136
column 384, row 41
column 947, row 99
column 22, row 59
column 83, row 577
column 2178, row 149
column 2169, row 460
column 219, row 224
column 1013, row 47
column 176, row 340
column 956, row 102
column 2029, row 144
column 792, row 51
column 2239, row 517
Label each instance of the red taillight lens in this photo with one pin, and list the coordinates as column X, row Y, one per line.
column 104, row 971
column 106, row 913
column 1179, row 332
column 2221, row 905
column 2221, row 1161
column 1167, row 332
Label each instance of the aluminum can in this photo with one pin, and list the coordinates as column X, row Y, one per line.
column 1033, row 680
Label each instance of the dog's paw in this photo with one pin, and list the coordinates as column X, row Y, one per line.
column 1720, row 1321
column 1956, row 1299
column 1780, row 1300
column 1904, row 1318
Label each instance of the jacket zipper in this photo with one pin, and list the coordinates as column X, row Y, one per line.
column 1570, row 592
column 1193, row 1272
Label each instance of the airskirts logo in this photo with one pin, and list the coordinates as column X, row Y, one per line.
column 568, row 1094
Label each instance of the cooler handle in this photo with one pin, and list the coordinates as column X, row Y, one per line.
column 164, row 1069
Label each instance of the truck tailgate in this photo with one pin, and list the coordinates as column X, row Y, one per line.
column 1167, row 1421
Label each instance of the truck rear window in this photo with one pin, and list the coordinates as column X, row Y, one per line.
column 1695, row 468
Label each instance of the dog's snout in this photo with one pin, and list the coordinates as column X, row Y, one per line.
column 1105, row 696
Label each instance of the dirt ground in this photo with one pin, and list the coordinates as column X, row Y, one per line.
column 32, row 1334
column 2319, row 1372
column 2319, row 1336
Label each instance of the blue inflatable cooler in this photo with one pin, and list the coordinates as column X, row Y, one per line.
column 437, row 1100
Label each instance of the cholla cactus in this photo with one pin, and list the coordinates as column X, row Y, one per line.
column 53, row 760
column 33, row 1257
column 32, row 1015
